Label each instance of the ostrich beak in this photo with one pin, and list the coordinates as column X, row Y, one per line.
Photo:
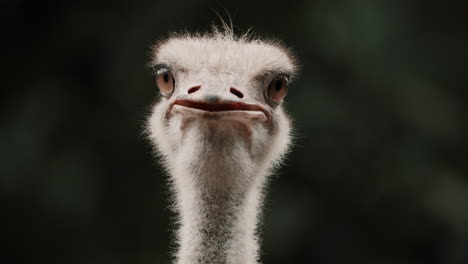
column 233, row 110
column 210, row 103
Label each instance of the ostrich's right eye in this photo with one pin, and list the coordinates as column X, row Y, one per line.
column 165, row 81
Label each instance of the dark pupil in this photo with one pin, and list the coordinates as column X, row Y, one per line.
column 278, row 85
column 166, row 77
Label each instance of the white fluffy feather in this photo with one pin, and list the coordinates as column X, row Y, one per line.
column 218, row 171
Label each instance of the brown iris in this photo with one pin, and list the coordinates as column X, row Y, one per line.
column 277, row 89
column 165, row 81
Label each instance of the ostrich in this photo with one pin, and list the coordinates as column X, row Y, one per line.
column 219, row 128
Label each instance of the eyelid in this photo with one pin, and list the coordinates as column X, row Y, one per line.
column 159, row 67
column 272, row 77
column 161, row 70
column 268, row 76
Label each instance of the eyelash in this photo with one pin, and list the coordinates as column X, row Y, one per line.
column 158, row 67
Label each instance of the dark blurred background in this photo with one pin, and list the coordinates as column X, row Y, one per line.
column 378, row 174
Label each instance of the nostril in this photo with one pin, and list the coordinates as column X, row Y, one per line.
column 236, row 92
column 194, row 89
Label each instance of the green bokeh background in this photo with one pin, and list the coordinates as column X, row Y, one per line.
column 378, row 173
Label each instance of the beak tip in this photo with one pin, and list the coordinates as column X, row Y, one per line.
column 212, row 98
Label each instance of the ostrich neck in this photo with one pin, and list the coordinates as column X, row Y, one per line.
column 217, row 226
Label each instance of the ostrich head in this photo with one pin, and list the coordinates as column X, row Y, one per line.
column 219, row 127
column 220, row 113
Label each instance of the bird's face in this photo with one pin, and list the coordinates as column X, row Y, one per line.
column 221, row 101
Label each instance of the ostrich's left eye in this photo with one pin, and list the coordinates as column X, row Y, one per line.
column 165, row 81
column 277, row 89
